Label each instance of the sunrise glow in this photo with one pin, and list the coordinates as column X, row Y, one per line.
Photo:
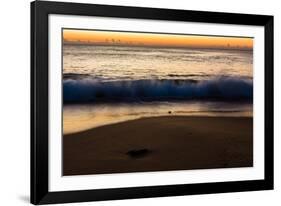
column 155, row 39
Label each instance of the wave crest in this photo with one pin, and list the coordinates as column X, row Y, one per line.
column 221, row 89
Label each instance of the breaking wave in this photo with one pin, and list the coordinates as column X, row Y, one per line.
column 86, row 90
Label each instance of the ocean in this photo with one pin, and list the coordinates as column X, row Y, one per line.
column 109, row 84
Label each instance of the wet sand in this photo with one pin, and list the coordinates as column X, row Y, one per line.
column 160, row 144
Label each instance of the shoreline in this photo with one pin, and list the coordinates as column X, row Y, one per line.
column 78, row 118
column 175, row 114
column 160, row 144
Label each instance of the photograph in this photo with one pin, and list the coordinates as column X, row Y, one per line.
column 147, row 102
column 130, row 102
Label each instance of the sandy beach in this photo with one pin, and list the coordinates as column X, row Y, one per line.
column 160, row 144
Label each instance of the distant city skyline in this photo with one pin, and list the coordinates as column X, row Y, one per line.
column 155, row 39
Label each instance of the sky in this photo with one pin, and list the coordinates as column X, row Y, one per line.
column 155, row 39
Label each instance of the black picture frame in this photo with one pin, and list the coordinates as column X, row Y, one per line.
column 39, row 102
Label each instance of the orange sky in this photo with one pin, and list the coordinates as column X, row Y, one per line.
column 151, row 39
